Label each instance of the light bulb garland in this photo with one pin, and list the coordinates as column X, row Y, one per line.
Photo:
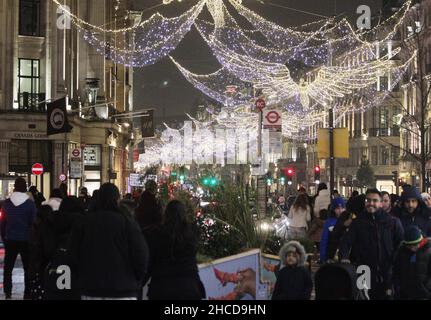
column 289, row 66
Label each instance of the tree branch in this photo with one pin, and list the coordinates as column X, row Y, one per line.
column 401, row 149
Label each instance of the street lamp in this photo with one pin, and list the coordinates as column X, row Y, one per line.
column 91, row 90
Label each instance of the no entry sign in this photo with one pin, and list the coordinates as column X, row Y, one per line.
column 37, row 169
column 260, row 104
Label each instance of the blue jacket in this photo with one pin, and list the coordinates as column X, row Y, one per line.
column 19, row 213
column 325, row 238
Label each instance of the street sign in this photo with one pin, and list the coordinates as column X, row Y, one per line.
column 136, row 180
column 272, row 120
column 76, row 153
column 260, row 104
column 75, row 169
column 273, row 117
column 341, row 140
column 37, row 169
column 62, row 177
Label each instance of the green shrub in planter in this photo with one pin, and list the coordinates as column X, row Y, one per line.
column 218, row 240
column 274, row 243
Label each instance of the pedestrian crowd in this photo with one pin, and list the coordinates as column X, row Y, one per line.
column 386, row 233
column 115, row 247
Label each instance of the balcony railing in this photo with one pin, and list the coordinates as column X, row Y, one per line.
column 384, row 132
column 31, row 102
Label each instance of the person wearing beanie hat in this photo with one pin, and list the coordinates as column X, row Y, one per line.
column 293, row 280
column 412, row 266
column 413, row 211
column 330, row 240
column 426, row 198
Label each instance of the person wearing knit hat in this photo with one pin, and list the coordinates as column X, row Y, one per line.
column 414, row 211
column 337, row 203
column 426, row 198
column 412, row 266
column 330, row 235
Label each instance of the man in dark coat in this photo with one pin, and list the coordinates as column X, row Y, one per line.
column 19, row 214
column 374, row 237
column 413, row 211
column 412, row 267
column 108, row 252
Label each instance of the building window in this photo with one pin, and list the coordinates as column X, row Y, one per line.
column 29, row 85
column 384, row 156
column 29, row 18
column 374, row 156
column 24, row 153
column 395, row 155
column 384, row 86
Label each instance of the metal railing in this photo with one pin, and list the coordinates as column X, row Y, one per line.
column 32, row 102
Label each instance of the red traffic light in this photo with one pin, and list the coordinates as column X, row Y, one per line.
column 289, row 171
column 317, row 169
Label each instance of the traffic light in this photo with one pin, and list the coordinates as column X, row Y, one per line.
column 174, row 176
column 289, row 174
column 395, row 176
column 269, row 182
column 282, row 181
column 210, row 181
column 317, row 174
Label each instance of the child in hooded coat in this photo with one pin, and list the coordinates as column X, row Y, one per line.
column 294, row 280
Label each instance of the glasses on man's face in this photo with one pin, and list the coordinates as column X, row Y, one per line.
column 368, row 200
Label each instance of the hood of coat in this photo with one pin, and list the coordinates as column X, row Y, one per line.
column 54, row 203
column 324, row 193
column 287, row 247
column 18, row 198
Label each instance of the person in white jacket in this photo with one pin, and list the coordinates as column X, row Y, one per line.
column 299, row 216
column 322, row 202
column 323, row 199
column 54, row 200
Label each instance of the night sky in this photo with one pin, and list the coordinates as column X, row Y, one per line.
column 163, row 87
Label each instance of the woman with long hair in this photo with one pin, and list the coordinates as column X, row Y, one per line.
column 300, row 216
column 173, row 266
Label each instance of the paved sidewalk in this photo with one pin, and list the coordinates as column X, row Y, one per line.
column 17, row 278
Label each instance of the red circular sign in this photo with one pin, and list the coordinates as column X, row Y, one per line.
column 260, row 104
column 273, row 117
column 76, row 153
column 37, row 169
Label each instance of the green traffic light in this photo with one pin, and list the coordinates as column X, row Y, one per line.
column 182, row 177
column 213, row 182
column 206, row 182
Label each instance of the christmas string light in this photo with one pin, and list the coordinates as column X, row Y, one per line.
column 142, row 44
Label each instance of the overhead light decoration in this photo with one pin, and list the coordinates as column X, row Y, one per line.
column 302, row 69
